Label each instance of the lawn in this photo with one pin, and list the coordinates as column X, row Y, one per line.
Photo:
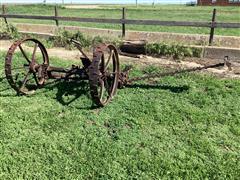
column 186, row 126
column 159, row 12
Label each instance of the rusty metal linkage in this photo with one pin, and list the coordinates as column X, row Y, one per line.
column 102, row 70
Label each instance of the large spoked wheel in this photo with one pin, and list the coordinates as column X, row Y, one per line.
column 104, row 74
column 25, row 65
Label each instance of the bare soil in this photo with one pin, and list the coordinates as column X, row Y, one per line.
column 146, row 60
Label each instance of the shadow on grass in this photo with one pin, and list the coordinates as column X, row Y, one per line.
column 70, row 91
column 75, row 89
column 174, row 89
column 4, row 91
column 2, row 78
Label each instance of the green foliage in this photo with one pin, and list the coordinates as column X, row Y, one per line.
column 62, row 39
column 151, row 69
column 174, row 50
column 196, row 52
column 97, row 40
column 162, row 131
column 8, row 31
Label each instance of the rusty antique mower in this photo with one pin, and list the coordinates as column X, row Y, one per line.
column 102, row 70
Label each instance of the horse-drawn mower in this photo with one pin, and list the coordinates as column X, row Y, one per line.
column 102, row 70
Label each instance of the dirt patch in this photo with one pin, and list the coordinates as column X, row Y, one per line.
column 146, row 61
column 52, row 52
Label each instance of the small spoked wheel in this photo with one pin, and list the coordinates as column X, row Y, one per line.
column 24, row 65
column 104, row 74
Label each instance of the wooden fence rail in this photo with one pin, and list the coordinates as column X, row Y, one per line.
column 123, row 21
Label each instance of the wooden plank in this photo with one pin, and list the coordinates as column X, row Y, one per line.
column 227, row 25
column 168, row 23
column 125, row 21
column 27, row 17
column 113, row 21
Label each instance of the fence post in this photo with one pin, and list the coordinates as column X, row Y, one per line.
column 4, row 12
column 56, row 15
column 123, row 23
column 212, row 27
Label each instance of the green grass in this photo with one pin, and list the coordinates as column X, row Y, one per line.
column 160, row 12
column 186, row 126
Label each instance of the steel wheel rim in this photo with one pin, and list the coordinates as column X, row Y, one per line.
column 100, row 76
column 20, row 84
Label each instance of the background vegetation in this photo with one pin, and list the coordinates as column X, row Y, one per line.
column 186, row 126
column 159, row 12
column 62, row 39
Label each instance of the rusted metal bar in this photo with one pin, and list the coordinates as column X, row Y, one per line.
column 123, row 24
column 56, row 15
column 158, row 75
column 4, row 12
column 212, row 27
column 78, row 45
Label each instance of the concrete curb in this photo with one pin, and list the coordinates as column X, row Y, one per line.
column 188, row 39
column 212, row 52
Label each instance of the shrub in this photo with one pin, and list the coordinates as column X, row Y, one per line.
column 62, row 39
column 8, row 31
column 176, row 51
column 97, row 40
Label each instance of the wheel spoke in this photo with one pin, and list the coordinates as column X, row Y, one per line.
column 24, row 54
column 108, row 61
column 25, row 80
column 102, row 89
column 106, row 85
column 35, row 78
column 34, row 52
column 102, row 63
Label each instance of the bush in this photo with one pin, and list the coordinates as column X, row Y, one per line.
column 62, row 39
column 174, row 50
column 97, row 40
column 8, row 31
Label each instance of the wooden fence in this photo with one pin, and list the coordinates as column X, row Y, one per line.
column 123, row 21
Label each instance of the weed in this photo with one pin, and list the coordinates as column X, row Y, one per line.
column 62, row 39
column 176, row 51
column 8, row 31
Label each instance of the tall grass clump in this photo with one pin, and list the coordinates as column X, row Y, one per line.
column 8, row 31
column 62, row 39
column 176, row 51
